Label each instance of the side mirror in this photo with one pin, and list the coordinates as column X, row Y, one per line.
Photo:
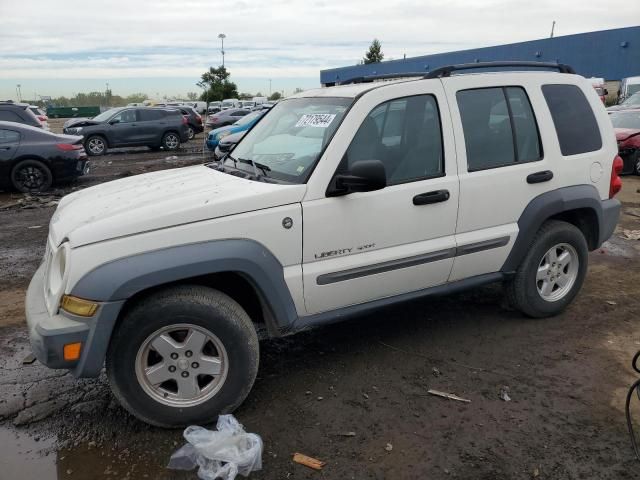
column 364, row 176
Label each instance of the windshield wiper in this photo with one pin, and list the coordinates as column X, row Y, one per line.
column 261, row 166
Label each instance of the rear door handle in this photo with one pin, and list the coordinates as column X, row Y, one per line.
column 431, row 197
column 540, row 177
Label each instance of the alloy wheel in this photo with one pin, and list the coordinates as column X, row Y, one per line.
column 557, row 272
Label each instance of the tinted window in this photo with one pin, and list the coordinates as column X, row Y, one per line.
column 10, row 116
column 9, row 136
column 149, row 115
column 499, row 127
column 573, row 118
column 405, row 135
column 239, row 113
column 126, row 116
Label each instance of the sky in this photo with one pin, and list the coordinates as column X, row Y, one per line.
column 161, row 48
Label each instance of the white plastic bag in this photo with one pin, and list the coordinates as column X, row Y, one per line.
column 219, row 454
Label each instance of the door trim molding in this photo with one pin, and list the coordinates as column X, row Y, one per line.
column 388, row 266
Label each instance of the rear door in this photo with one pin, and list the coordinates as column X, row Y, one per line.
column 367, row 246
column 151, row 124
column 507, row 155
column 9, row 143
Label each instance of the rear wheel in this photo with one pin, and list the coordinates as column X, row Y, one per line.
column 95, row 145
column 552, row 272
column 170, row 141
column 31, row 176
column 191, row 132
column 183, row 356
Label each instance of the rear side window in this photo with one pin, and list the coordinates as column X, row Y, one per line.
column 499, row 127
column 149, row 115
column 9, row 136
column 8, row 116
column 573, row 118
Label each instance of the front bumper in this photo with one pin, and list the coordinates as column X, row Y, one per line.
column 49, row 334
column 211, row 144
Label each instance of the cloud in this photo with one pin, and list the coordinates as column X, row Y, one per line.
column 72, row 39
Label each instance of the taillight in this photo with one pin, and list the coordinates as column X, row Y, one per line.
column 42, row 118
column 616, row 182
column 199, row 118
column 67, row 147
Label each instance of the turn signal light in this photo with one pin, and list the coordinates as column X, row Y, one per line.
column 78, row 306
column 615, row 184
column 72, row 351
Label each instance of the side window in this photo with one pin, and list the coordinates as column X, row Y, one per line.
column 239, row 113
column 9, row 116
column 405, row 135
column 9, row 136
column 127, row 116
column 149, row 115
column 573, row 118
column 499, row 127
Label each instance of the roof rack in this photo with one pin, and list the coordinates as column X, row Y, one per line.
column 371, row 78
column 446, row 71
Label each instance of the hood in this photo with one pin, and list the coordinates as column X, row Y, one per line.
column 159, row 200
column 626, row 133
column 216, row 131
column 79, row 122
column 232, row 139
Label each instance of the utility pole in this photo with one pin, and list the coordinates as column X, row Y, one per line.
column 19, row 92
column 222, row 36
column 553, row 27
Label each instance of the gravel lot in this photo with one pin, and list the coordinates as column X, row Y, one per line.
column 567, row 378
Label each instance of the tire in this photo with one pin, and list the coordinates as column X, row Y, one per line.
column 543, row 288
column 179, row 312
column 95, row 145
column 171, row 141
column 636, row 163
column 31, row 176
column 191, row 132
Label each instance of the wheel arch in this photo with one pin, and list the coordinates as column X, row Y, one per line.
column 579, row 205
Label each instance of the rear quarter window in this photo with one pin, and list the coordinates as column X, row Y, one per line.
column 575, row 123
column 9, row 116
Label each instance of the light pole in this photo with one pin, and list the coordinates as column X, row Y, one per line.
column 222, row 36
column 19, row 92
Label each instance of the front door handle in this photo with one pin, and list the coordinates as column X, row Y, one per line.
column 540, row 177
column 431, row 197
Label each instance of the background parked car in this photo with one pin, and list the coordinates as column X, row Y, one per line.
column 632, row 102
column 226, row 117
column 628, row 86
column 626, row 124
column 241, row 125
column 40, row 115
column 31, row 158
column 194, row 120
column 230, row 103
column 248, row 104
column 214, row 107
column 226, row 144
column 132, row 127
column 200, row 107
column 19, row 113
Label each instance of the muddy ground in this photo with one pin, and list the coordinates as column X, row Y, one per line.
column 567, row 379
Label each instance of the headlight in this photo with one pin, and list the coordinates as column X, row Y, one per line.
column 221, row 135
column 56, row 275
column 74, row 129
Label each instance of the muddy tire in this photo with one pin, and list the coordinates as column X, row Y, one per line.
column 552, row 272
column 171, row 141
column 95, row 145
column 31, row 176
column 191, row 132
column 183, row 356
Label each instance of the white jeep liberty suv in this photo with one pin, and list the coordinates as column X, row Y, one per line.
column 338, row 201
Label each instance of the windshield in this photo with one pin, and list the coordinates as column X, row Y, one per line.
column 633, row 100
column 248, row 118
column 633, row 88
column 290, row 139
column 104, row 116
column 227, row 104
column 625, row 119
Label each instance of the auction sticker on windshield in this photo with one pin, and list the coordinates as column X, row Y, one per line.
column 321, row 120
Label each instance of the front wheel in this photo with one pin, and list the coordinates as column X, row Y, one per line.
column 552, row 272
column 170, row 141
column 95, row 145
column 183, row 356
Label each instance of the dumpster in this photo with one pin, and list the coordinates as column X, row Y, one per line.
column 71, row 112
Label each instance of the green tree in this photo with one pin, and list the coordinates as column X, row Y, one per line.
column 374, row 54
column 217, row 85
column 275, row 96
column 192, row 96
column 245, row 96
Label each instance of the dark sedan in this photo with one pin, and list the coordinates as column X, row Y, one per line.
column 32, row 159
column 226, row 117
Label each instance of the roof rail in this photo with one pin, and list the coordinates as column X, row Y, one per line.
column 446, row 71
column 382, row 76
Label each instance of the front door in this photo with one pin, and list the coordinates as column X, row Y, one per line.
column 366, row 246
column 124, row 128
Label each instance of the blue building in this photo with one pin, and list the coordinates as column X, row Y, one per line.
column 609, row 54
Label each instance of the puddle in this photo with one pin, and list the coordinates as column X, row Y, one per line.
column 24, row 457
